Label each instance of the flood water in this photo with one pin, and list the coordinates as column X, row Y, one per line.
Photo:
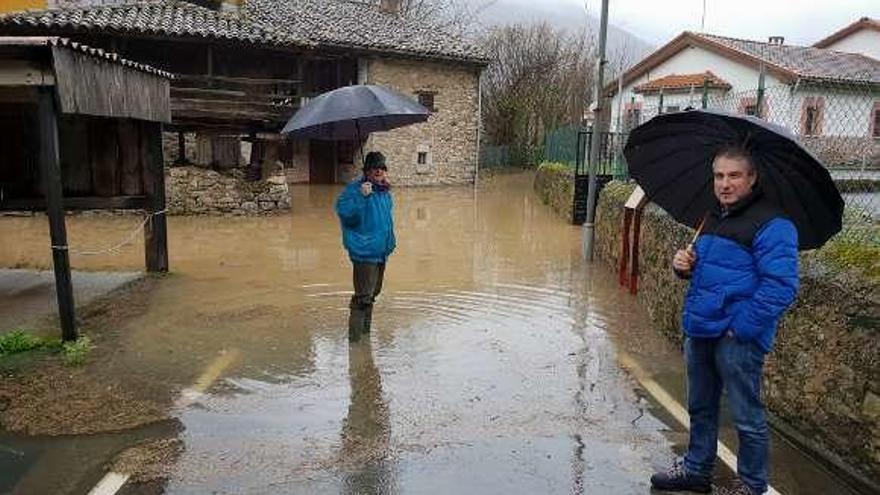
column 492, row 366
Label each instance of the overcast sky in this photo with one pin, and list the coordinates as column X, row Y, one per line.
column 801, row 21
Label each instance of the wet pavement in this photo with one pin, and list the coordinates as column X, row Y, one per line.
column 28, row 296
column 493, row 366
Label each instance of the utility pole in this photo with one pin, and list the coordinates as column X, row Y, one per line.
column 589, row 225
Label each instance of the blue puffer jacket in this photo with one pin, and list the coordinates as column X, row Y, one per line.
column 367, row 223
column 746, row 274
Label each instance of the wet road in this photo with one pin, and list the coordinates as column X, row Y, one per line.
column 492, row 367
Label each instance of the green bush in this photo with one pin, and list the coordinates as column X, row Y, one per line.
column 19, row 341
column 74, row 353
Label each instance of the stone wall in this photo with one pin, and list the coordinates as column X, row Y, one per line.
column 200, row 191
column 554, row 184
column 449, row 138
column 823, row 376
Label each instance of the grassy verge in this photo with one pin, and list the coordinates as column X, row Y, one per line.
column 21, row 342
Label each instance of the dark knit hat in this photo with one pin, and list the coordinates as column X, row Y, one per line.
column 374, row 160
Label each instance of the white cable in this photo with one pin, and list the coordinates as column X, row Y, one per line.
column 117, row 246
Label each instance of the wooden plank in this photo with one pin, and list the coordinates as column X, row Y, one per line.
column 245, row 81
column 156, row 229
column 131, row 183
column 74, row 150
column 90, row 86
column 78, row 203
column 104, row 151
column 51, row 168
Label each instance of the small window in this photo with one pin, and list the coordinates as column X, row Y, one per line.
column 423, row 159
column 876, row 120
column 633, row 118
column 810, row 121
column 673, row 108
column 812, row 116
column 751, row 109
column 426, row 99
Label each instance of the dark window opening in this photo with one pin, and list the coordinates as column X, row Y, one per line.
column 810, row 121
column 423, row 158
column 426, row 99
column 877, row 122
column 674, row 108
column 751, row 109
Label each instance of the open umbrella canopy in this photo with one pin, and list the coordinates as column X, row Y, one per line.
column 671, row 156
column 354, row 111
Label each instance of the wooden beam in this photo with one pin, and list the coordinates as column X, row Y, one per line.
column 156, row 229
column 229, row 111
column 50, row 168
column 245, row 81
column 78, row 203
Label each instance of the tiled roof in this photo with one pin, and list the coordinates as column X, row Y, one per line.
column 863, row 23
column 165, row 17
column 358, row 24
column 79, row 47
column 309, row 23
column 806, row 62
column 683, row 81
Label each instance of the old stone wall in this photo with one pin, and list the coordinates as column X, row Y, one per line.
column 554, row 184
column 200, row 191
column 448, row 141
column 823, row 376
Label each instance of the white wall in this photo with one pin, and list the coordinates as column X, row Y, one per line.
column 694, row 60
column 864, row 41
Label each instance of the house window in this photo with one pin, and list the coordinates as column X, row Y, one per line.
column 672, row 108
column 632, row 117
column 751, row 109
column 812, row 116
column 423, row 159
column 875, row 121
column 426, row 99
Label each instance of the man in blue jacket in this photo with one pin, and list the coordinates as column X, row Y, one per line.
column 365, row 213
column 743, row 272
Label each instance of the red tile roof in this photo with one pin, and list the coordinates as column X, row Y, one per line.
column 683, row 81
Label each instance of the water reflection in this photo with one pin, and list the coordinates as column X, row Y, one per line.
column 366, row 431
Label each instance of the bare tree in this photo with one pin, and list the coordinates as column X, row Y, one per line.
column 539, row 79
column 454, row 16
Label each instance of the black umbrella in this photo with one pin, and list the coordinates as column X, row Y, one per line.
column 671, row 156
column 354, row 111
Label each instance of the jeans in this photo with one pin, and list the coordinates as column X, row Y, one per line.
column 725, row 362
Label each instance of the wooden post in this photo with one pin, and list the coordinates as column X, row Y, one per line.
column 50, row 169
column 624, row 248
column 634, row 258
column 156, row 229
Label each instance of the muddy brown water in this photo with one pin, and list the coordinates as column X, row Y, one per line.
column 492, row 367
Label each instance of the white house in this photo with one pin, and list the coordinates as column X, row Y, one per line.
column 862, row 36
column 822, row 94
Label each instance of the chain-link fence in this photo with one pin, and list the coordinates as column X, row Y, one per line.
column 840, row 124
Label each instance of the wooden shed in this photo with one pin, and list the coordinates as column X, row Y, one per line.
column 81, row 129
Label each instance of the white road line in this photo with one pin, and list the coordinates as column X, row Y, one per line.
column 110, row 484
column 675, row 409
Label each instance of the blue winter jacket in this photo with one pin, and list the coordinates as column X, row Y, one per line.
column 746, row 273
column 367, row 223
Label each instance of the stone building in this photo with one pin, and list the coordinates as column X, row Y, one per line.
column 243, row 67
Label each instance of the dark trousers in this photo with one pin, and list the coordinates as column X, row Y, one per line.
column 367, row 285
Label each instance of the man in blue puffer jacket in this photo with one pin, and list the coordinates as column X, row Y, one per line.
column 743, row 272
column 365, row 213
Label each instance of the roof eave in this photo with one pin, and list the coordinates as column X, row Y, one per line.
column 686, row 39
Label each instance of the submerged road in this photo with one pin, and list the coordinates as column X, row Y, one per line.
column 494, row 365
